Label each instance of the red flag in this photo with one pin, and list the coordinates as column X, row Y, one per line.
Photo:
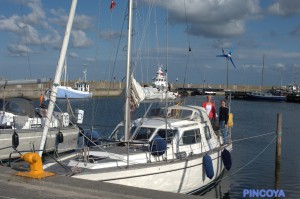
column 112, row 5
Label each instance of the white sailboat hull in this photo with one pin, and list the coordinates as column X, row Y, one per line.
column 181, row 176
column 29, row 139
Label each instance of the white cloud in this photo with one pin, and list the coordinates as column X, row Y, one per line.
column 208, row 67
column 79, row 39
column 212, row 18
column 280, row 66
column 81, row 22
column 73, row 55
column 108, row 35
column 11, row 24
column 25, row 28
column 37, row 13
column 90, row 59
column 222, row 44
column 18, row 50
column 296, row 31
column 285, row 8
column 296, row 65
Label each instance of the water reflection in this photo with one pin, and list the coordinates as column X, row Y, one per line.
column 219, row 190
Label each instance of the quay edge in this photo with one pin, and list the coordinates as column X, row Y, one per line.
column 66, row 187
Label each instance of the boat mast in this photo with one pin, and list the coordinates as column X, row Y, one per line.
column 57, row 77
column 127, row 89
column 65, row 71
column 84, row 72
column 262, row 73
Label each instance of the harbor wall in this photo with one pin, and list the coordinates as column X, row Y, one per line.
column 104, row 89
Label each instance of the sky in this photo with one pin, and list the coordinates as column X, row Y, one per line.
column 181, row 36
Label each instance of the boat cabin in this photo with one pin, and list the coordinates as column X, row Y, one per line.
column 188, row 131
column 82, row 86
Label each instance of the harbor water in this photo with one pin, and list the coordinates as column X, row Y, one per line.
column 253, row 162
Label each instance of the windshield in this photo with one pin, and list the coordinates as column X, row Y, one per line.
column 179, row 113
column 12, row 107
column 170, row 134
column 118, row 133
column 143, row 133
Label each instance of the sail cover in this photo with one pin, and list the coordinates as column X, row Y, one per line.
column 136, row 94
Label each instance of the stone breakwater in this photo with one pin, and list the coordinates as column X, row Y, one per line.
column 101, row 88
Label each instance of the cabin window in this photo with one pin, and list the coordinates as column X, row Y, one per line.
column 170, row 134
column 143, row 133
column 207, row 132
column 190, row 137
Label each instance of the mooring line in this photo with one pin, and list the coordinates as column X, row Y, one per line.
column 254, row 137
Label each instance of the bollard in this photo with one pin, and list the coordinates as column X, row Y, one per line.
column 36, row 167
column 278, row 150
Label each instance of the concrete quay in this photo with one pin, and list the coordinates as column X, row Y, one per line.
column 62, row 187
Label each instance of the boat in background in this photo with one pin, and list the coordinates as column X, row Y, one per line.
column 293, row 97
column 81, row 90
column 265, row 96
column 271, row 95
column 160, row 89
column 19, row 117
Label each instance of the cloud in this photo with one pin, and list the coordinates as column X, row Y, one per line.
column 73, row 55
column 296, row 65
column 18, row 50
column 89, row 59
column 37, row 13
column 109, row 35
column 25, row 28
column 11, row 24
column 212, row 18
column 285, row 8
column 220, row 43
column 296, row 31
column 288, row 55
column 79, row 39
column 280, row 66
column 208, row 67
column 81, row 22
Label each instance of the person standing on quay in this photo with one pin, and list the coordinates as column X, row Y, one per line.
column 210, row 109
column 223, row 119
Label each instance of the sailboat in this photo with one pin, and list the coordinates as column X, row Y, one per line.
column 264, row 95
column 21, row 127
column 24, row 128
column 174, row 150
